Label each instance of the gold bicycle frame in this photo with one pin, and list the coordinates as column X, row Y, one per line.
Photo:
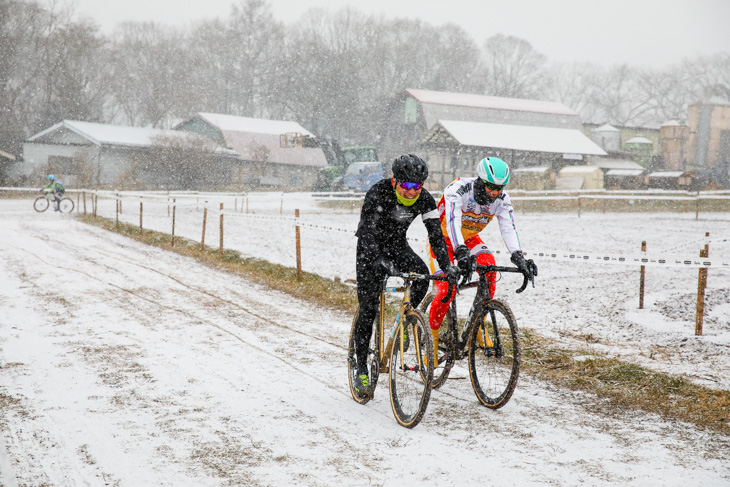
column 405, row 306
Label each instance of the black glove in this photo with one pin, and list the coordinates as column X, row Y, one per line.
column 453, row 273
column 388, row 265
column 528, row 267
column 462, row 255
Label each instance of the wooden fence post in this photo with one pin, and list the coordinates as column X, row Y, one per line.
column 281, row 209
column 84, row 203
column 172, row 242
column 578, row 206
column 116, row 211
column 641, row 278
column 205, row 218
column 96, row 203
column 701, row 285
column 299, row 247
column 140, row 215
column 220, row 249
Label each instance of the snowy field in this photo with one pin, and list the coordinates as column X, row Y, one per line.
column 126, row 365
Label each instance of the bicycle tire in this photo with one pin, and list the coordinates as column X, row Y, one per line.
column 494, row 365
column 372, row 360
column 409, row 392
column 41, row 204
column 447, row 349
column 66, row 205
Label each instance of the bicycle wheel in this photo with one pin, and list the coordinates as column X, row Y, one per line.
column 373, row 362
column 66, row 205
column 409, row 392
column 446, row 351
column 494, row 354
column 40, row 204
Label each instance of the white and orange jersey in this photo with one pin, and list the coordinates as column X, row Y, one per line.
column 462, row 217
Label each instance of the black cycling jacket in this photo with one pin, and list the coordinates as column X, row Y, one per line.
column 384, row 222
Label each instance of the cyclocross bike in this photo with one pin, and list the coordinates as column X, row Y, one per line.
column 41, row 203
column 489, row 338
column 407, row 357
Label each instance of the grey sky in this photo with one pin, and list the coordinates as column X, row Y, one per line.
column 652, row 33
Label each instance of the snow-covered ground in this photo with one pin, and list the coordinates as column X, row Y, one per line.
column 126, row 365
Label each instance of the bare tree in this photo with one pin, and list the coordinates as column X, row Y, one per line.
column 253, row 38
column 150, row 78
column 75, row 73
column 669, row 92
column 618, row 98
column 514, row 68
column 712, row 74
column 575, row 86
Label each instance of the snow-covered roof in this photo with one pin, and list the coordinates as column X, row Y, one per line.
column 671, row 123
column 438, row 105
column 254, row 138
column 7, row 155
column 639, row 139
column 624, row 172
column 606, row 128
column 107, row 134
column 579, row 170
column 666, row 174
column 483, row 101
column 233, row 123
column 617, row 164
column 517, row 137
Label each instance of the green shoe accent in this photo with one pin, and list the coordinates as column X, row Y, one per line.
column 361, row 384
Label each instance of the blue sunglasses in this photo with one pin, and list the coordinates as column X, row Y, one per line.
column 409, row 186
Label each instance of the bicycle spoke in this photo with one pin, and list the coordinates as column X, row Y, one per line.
column 494, row 355
column 409, row 392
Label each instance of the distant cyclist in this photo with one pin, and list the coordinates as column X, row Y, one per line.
column 56, row 187
column 465, row 208
column 389, row 208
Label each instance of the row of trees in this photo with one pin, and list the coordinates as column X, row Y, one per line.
column 333, row 72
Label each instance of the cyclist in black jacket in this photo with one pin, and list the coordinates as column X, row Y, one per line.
column 389, row 208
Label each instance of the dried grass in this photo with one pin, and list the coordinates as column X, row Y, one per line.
column 622, row 385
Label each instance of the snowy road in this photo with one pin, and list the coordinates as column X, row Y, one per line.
column 126, row 365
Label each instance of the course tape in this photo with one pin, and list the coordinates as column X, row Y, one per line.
column 645, row 260
column 630, row 260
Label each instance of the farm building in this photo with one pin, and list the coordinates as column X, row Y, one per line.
column 118, row 156
column 669, row 180
column 579, row 177
column 453, row 131
column 621, row 173
column 265, row 160
column 708, row 143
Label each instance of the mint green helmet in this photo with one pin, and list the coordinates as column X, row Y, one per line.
column 493, row 170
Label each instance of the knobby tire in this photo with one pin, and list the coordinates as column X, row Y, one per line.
column 494, row 362
column 411, row 371
column 41, row 204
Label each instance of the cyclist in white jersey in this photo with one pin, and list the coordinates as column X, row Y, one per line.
column 465, row 208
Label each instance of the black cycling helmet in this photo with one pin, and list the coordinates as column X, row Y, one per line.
column 410, row 168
